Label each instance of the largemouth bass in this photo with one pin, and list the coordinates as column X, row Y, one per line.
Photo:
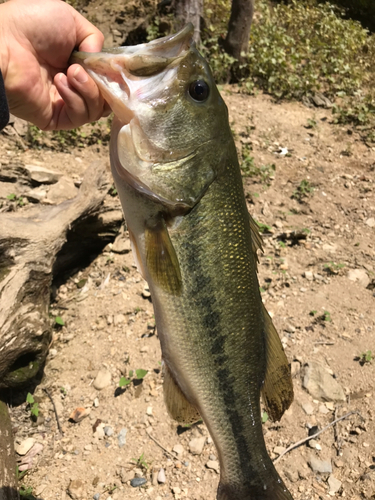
column 175, row 167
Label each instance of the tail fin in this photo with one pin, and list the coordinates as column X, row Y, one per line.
column 277, row 491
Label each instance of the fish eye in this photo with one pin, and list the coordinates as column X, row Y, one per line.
column 199, row 90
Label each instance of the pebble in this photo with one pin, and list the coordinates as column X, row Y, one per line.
column 334, row 484
column 320, row 384
column 121, row 438
column 118, row 319
column 313, row 443
column 99, row 431
column 102, row 380
column 212, row 457
column 24, row 446
column 360, row 276
column 138, row 481
column 317, row 465
column 178, row 448
column 149, row 411
column 63, row 190
column 176, row 490
column 308, row 408
column 370, row 222
column 76, row 489
column 308, row 275
column 96, row 496
column 214, row 465
column 108, row 430
column 323, row 409
column 279, row 450
column 42, row 175
column 196, row 445
column 161, row 476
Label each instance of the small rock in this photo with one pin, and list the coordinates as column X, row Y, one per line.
column 24, row 446
column 79, row 414
column 308, row 275
column 314, row 444
column 323, row 410
column 279, row 450
column 334, row 484
column 99, row 431
column 76, row 489
column 178, row 448
column 52, row 353
column 102, row 380
column 108, row 430
column 370, row 222
column 196, row 445
column 118, row 319
column 295, row 368
column 214, row 465
column 360, row 276
column 320, row 384
column 176, row 490
column 121, row 438
column 96, row 402
column 63, row 190
column 138, row 481
column 212, row 457
column 149, row 411
column 292, row 475
column 322, row 466
column 121, row 244
column 96, row 496
column 308, row 408
column 42, row 175
column 161, row 476
column 126, row 475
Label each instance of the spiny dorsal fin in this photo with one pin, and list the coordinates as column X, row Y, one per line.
column 161, row 259
column 177, row 405
column 277, row 391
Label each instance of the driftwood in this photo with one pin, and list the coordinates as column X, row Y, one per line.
column 35, row 245
column 8, row 475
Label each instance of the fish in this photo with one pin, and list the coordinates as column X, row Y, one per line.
column 175, row 167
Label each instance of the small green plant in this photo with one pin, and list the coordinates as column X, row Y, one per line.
column 366, row 357
column 303, row 190
column 34, row 407
column 311, row 123
column 140, row 462
column 26, row 492
column 326, row 316
column 59, row 321
column 17, row 199
column 333, row 268
column 263, row 228
column 264, row 417
column 139, row 375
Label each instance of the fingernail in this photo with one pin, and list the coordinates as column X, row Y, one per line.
column 80, row 75
column 63, row 79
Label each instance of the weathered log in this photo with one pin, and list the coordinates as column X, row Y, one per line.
column 8, row 472
column 35, row 245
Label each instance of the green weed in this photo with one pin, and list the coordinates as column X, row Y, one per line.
column 33, row 405
column 304, row 190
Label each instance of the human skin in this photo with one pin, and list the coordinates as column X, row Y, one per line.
column 37, row 38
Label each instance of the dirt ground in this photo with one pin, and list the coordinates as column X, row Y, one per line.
column 317, row 277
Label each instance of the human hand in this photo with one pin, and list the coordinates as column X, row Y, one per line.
column 37, row 38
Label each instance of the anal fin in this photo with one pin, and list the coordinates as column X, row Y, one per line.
column 277, row 391
column 177, row 405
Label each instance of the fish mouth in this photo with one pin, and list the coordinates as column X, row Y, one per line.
column 129, row 75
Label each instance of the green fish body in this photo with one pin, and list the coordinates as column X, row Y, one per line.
column 175, row 167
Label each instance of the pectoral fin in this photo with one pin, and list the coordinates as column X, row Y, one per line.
column 277, row 391
column 177, row 405
column 161, row 259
